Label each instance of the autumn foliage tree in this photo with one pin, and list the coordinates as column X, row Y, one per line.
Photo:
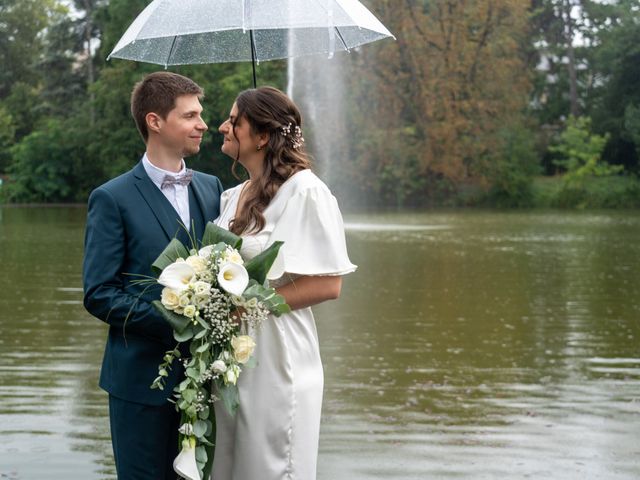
column 445, row 89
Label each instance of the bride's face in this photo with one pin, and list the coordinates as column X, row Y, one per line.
column 239, row 142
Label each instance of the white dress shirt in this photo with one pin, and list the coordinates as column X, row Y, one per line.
column 178, row 195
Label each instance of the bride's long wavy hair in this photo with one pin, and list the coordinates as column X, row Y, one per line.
column 268, row 110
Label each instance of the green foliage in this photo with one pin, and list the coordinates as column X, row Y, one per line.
column 616, row 61
column 21, row 35
column 64, row 85
column 41, row 166
column 512, row 167
column 24, row 106
column 170, row 254
column 214, row 234
column 445, row 132
column 259, row 266
column 622, row 191
column 581, row 151
column 632, row 125
column 7, row 137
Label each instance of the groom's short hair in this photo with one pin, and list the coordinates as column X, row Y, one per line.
column 157, row 93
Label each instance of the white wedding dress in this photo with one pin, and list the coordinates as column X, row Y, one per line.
column 274, row 434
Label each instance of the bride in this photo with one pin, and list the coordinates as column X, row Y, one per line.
column 274, row 434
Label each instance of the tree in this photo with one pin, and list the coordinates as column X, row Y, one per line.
column 617, row 61
column 7, row 137
column 42, row 168
column 562, row 33
column 21, row 34
column 443, row 91
column 581, row 152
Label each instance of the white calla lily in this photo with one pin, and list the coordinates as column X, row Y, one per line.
column 185, row 463
column 177, row 276
column 233, row 278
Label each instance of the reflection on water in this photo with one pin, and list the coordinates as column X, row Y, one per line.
column 467, row 345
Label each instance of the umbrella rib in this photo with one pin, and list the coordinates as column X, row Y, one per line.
column 341, row 39
column 170, row 51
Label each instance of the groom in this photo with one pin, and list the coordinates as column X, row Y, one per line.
column 130, row 221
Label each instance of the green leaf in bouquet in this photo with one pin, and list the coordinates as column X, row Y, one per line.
column 200, row 428
column 201, row 457
column 200, row 334
column 170, row 254
column 189, row 395
column 259, row 266
column 204, row 413
column 206, row 441
column 272, row 301
column 209, row 428
column 201, row 454
column 202, row 323
column 230, row 398
column 214, row 234
column 185, row 335
column 177, row 322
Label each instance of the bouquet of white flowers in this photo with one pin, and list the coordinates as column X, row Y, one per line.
column 212, row 299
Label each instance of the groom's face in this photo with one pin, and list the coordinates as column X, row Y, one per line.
column 182, row 131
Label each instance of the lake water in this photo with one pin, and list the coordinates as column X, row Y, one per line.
column 478, row 345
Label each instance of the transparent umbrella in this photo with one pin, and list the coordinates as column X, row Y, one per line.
column 185, row 32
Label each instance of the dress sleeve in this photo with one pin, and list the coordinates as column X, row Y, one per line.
column 312, row 230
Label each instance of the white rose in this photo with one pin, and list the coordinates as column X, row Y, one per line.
column 201, row 300
column 219, row 366
column 251, row 303
column 243, row 347
column 201, row 288
column 184, row 300
column 231, row 376
column 205, row 252
column 189, row 311
column 198, row 263
column 232, row 255
column 237, row 301
column 169, row 299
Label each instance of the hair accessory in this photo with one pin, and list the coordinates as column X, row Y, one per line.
column 296, row 138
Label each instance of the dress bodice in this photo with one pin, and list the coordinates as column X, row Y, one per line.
column 252, row 244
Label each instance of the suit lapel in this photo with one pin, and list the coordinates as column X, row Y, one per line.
column 154, row 198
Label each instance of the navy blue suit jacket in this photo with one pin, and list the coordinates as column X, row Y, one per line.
column 129, row 223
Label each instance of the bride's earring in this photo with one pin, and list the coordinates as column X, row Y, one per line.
column 259, row 147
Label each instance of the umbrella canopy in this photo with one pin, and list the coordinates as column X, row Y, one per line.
column 184, row 32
